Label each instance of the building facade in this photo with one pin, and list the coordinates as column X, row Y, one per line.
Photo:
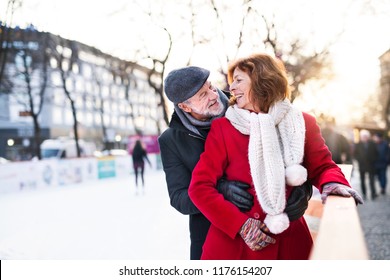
column 59, row 80
column 384, row 61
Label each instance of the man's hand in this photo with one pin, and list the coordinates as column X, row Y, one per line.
column 236, row 193
column 340, row 189
column 255, row 234
column 298, row 201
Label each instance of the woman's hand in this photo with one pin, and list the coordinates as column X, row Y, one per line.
column 339, row 189
column 254, row 233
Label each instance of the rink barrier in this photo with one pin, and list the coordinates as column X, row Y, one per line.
column 47, row 173
column 340, row 235
column 335, row 226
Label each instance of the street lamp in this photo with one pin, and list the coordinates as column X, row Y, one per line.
column 10, row 142
column 118, row 139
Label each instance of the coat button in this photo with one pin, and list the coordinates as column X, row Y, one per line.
column 256, row 215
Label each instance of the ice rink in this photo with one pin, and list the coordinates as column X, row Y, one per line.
column 101, row 220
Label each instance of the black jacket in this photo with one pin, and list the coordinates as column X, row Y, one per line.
column 366, row 154
column 180, row 152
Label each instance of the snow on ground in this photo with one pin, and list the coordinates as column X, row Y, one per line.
column 99, row 220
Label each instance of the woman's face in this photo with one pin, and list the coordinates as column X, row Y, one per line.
column 240, row 88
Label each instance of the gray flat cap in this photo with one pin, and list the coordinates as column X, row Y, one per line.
column 181, row 84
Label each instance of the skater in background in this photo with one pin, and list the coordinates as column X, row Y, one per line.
column 139, row 156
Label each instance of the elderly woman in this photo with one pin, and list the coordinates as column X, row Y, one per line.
column 266, row 142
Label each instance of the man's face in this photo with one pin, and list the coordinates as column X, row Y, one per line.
column 205, row 104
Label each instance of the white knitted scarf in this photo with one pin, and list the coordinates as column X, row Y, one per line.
column 276, row 147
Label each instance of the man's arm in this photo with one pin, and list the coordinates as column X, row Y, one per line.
column 236, row 192
column 298, row 201
column 178, row 178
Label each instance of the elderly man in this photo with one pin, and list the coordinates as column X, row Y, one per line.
column 197, row 103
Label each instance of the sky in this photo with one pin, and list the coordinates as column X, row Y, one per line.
column 355, row 53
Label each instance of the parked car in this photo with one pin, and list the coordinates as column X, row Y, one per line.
column 65, row 148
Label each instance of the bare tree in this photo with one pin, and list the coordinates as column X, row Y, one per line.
column 130, row 83
column 253, row 30
column 5, row 41
column 98, row 103
column 28, row 75
column 156, row 63
column 302, row 65
column 34, row 66
column 66, row 54
column 155, row 79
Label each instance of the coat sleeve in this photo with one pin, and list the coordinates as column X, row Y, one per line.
column 318, row 159
column 177, row 176
column 203, row 192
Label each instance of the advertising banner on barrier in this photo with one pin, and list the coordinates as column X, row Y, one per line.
column 76, row 170
column 106, row 167
column 123, row 165
column 15, row 176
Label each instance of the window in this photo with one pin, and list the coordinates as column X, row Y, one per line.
column 57, row 115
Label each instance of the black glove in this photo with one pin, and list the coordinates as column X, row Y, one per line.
column 236, row 193
column 298, row 201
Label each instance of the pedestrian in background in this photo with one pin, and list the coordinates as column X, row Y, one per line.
column 139, row 156
column 383, row 160
column 337, row 143
column 366, row 154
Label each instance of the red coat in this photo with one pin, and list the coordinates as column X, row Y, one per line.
column 226, row 153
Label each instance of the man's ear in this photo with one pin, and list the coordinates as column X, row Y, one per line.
column 184, row 107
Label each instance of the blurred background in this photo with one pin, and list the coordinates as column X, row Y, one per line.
column 81, row 81
column 91, row 72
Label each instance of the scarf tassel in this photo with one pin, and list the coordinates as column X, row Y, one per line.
column 273, row 165
column 277, row 223
column 296, row 175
